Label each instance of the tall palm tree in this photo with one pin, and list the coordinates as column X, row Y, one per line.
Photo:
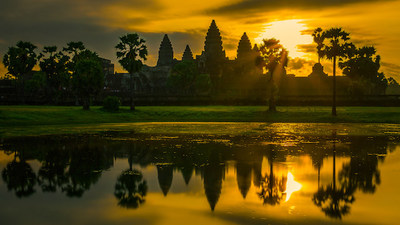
column 319, row 40
column 335, row 49
column 131, row 52
column 273, row 58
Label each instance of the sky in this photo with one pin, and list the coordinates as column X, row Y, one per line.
column 100, row 23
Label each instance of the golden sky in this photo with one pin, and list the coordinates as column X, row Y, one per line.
column 99, row 23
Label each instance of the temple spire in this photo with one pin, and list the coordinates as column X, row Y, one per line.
column 213, row 44
column 244, row 47
column 187, row 54
column 165, row 53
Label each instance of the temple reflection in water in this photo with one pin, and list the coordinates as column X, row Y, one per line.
column 270, row 170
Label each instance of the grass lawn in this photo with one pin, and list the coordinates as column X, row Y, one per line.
column 55, row 119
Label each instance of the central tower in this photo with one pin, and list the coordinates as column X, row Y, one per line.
column 213, row 45
column 165, row 53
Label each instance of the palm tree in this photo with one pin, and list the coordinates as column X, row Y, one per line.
column 131, row 187
column 131, row 52
column 333, row 200
column 272, row 187
column 319, row 40
column 273, row 58
column 335, row 49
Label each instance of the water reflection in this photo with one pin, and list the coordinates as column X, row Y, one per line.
column 73, row 165
column 19, row 177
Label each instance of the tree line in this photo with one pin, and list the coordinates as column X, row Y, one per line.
column 77, row 71
column 72, row 70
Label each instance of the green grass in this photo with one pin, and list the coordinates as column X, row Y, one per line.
column 11, row 116
column 60, row 119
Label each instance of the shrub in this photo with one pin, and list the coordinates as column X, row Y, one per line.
column 111, row 103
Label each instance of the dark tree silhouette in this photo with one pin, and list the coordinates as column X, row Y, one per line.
column 54, row 65
column 131, row 52
column 336, row 48
column 74, row 49
column 273, row 58
column 183, row 77
column 362, row 66
column 319, row 40
column 88, row 77
column 19, row 61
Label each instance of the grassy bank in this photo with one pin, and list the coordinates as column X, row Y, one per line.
column 14, row 116
column 43, row 120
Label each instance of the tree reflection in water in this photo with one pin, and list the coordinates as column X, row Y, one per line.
column 73, row 167
column 272, row 188
column 334, row 201
column 130, row 189
column 86, row 166
column 19, row 177
column 52, row 173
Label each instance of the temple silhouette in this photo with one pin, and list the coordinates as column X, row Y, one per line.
column 240, row 75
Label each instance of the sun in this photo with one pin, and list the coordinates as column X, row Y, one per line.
column 289, row 32
column 291, row 186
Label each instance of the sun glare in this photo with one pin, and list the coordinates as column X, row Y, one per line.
column 291, row 186
column 289, row 33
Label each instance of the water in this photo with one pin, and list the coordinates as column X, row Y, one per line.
column 124, row 178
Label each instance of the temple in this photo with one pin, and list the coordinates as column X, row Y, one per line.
column 239, row 76
column 166, row 53
column 187, row 54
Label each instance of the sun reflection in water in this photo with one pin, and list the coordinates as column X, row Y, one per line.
column 291, row 186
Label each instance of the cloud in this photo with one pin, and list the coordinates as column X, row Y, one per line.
column 391, row 67
column 299, row 63
column 307, row 48
column 258, row 6
column 97, row 23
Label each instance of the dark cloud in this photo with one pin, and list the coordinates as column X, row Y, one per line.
column 256, row 6
column 307, row 32
column 300, row 63
column 307, row 48
column 391, row 68
column 56, row 22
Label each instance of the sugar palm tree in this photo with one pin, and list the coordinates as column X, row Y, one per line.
column 335, row 48
column 131, row 52
column 273, row 58
column 319, row 40
column 333, row 199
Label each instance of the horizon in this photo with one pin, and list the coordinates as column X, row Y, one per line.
column 56, row 23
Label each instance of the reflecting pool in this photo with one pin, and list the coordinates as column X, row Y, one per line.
column 128, row 178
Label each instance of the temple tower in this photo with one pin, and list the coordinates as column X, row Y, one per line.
column 165, row 53
column 213, row 45
column 244, row 48
column 187, row 54
column 214, row 56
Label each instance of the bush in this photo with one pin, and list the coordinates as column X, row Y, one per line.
column 111, row 103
